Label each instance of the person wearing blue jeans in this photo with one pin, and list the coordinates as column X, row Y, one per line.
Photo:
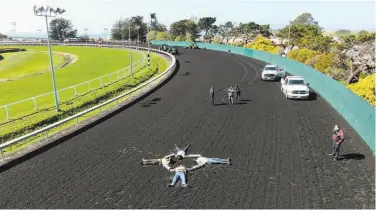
column 180, row 173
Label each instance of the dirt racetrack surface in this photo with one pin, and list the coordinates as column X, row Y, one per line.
column 279, row 150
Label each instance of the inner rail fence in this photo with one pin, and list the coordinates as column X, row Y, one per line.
column 46, row 101
column 126, row 98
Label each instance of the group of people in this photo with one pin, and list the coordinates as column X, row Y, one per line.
column 231, row 93
column 181, row 171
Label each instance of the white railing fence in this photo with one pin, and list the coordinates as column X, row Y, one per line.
column 46, row 100
column 128, row 97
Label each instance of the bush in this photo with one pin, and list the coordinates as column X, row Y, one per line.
column 365, row 88
column 179, row 39
column 263, row 44
column 302, row 55
column 236, row 44
column 216, row 41
column 325, row 61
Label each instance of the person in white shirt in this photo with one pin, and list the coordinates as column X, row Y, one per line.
column 180, row 173
column 202, row 161
column 161, row 161
column 230, row 92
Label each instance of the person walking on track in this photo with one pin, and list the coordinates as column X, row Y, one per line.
column 237, row 90
column 337, row 137
column 211, row 92
column 230, row 92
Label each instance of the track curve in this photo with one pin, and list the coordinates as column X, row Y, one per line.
column 279, row 150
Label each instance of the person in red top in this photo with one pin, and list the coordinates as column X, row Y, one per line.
column 337, row 137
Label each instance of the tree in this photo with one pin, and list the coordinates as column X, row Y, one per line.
column 355, row 54
column 163, row 35
column 305, row 36
column 116, row 31
column 178, row 28
column 342, row 32
column 206, row 24
column 249, row 31
column 152, row 35
column 305, row 19
column 236, row 32
column 363, row 32
column 3, row 36
column 213, row 31
column 120, row 29
column 160, row 27
column 192, row 30
column 225, row 31
column 61, row 29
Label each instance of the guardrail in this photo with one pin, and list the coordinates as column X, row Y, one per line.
column 120, row 74
column 134, row 93
column 355, row 110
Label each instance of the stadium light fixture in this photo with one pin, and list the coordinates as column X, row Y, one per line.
column 50, row 12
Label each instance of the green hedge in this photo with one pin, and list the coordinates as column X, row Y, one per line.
column 358, row 112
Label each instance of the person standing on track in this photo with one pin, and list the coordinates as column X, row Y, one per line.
column 338, row 137
column 230, row 92
column 211, row 92
column 237, row 90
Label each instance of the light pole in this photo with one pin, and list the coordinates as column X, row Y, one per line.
column 138, row 37
column 47, row 12
column 86, row 35
column 40, row 36
column 130, row 47
column 106, row 35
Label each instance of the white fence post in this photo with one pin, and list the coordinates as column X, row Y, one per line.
column 35, row 103
column 7, row 112
column 75, row 91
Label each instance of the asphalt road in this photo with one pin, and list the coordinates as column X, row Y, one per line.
column 278, row 147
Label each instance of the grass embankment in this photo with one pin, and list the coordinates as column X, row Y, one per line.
column 20, row 64
column 91, row 63
column 84, row 102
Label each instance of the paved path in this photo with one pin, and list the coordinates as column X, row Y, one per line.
column 279, row 150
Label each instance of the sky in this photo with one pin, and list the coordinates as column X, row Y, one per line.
column 96, row 15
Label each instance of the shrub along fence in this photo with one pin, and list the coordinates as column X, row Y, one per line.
column 356, row 111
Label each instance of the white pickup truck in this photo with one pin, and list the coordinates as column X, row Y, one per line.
column 272, row 72
column 295, row 87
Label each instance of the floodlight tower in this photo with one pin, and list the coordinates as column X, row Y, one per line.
column 50, row 12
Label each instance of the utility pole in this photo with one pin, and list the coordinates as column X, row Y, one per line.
column 130, row 47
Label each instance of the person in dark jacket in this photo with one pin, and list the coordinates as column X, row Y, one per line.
column 237, row 90
column 337, row 137
column 211, row 93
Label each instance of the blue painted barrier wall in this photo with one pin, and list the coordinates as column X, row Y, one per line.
column 356, row 111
